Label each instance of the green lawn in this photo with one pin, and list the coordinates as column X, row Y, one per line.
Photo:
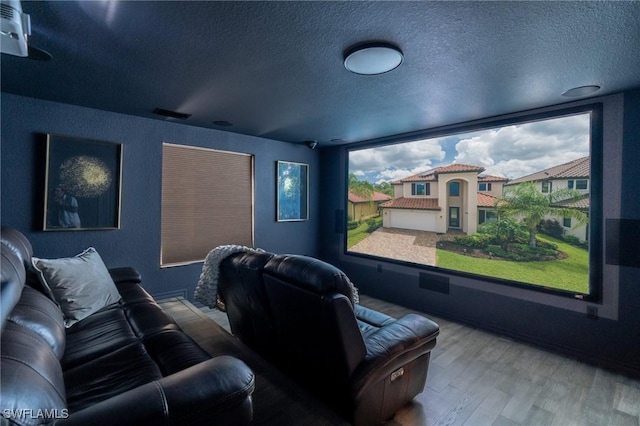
column 570, row 274
column 354, row 236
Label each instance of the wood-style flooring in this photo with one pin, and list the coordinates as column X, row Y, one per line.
column 475, row 378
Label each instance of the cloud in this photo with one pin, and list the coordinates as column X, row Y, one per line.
column 389, row 175
column 518, row 150
column 393, row 160
column 511, row 151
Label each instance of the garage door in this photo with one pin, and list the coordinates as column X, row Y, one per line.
column 411, row 219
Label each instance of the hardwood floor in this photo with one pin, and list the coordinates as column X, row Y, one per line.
column 475, row 378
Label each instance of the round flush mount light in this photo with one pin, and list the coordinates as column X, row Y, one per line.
column 372, row 58
column 581, row 91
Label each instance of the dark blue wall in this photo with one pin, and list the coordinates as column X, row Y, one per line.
column 614, row 343
column 25, row 121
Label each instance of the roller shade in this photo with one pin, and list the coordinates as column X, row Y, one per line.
column 207, row 201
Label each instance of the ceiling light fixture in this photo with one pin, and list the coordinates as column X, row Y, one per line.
column 581, row 91
column 373, row 58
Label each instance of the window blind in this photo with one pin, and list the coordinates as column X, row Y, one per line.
column 207, row 201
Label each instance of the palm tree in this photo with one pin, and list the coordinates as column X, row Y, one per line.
column 526, row 201
column 360, row 188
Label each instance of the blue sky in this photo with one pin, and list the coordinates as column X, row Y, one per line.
column 511, row 151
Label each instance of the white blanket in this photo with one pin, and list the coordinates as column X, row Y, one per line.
column 207, row 288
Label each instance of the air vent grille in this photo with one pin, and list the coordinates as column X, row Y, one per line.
column 6, row 11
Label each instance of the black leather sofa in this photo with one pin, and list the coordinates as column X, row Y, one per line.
column 299, row 313
column 127, row 364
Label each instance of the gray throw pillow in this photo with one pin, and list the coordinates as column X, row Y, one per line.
column 80, row 285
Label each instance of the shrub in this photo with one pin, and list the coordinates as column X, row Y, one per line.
column 575, row 241
column 547, row 244
column 476, row 240
column 552, row 228
column 510, row 242
column 572, row 239
column 533, row 253
column 523, row 252
column 352, row 224
column 372, row 225
column 496, row 250
column 504, row 231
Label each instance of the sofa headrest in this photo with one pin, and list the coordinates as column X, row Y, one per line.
column 311, row 274
column 17, row 242
column 16, row 255
column 13, row 279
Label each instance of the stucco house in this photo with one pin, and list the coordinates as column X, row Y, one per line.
column 574, row 175
column 456, row 197
column 362, row 208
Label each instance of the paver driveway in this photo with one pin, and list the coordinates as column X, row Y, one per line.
column 401, row 244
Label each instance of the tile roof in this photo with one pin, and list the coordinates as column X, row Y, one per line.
column 486, row 200
column 377, row 196
column 459, row 168
column 422, row 177
column 412, row 203
column 573, row 169
column 432, row 175
column 490, row 178
column 581, row 203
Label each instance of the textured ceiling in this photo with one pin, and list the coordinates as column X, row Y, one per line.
column 275, row 69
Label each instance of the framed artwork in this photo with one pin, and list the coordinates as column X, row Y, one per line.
column 83, row 180
column 293, row 191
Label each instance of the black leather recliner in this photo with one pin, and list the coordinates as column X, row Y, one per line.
column 127, row 364
column 299, row 313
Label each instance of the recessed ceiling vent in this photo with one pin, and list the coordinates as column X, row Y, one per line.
column 15, row 27
column 171, row 114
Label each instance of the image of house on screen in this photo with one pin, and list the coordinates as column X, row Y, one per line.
column 573, row 175
column 460, row 197
column 362, row 208
column 456, row 197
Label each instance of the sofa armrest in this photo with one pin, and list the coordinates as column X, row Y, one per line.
column 394, row 345
column 215, row 391
column 125, row 274
column 372, row 317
